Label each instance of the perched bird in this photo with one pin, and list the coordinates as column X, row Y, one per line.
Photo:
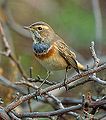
column 51, row 50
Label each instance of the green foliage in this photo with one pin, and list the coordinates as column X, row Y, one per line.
column 77, row 23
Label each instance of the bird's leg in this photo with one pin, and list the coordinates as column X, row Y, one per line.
column 65, row 79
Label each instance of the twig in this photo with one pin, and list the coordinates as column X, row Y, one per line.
column 3, row 115
column 27, row 83
column 96, row 60
column 7, row 83
column 39, row 79
column 97, row 103
column 56, row 100
column 98, row 80
column 29, row 101
column 47, row 114
column 13, row 117
column 44, row 81
column 71, row 101
column 8, row 52
column 59, row 105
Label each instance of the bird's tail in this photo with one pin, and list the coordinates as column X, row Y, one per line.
column 81, row 67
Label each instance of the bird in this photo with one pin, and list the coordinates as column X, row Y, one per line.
column 50, row 50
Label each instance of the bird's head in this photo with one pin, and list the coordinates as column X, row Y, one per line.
column 42, row 35
column 41, row 32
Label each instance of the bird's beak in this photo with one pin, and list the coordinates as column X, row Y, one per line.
column 27, row 27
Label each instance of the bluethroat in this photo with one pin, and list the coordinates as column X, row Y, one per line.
column 51, row 50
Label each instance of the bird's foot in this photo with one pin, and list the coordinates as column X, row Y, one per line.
column 65, row 84
column 38, row 93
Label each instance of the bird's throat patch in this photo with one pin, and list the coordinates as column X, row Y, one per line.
column 43, row 51
column 40, row 48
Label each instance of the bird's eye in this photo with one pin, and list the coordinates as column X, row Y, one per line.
column 39, row 28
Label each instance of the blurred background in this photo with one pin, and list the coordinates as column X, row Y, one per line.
column 78, row 22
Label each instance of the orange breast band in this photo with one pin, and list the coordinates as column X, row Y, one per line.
column 46, row 55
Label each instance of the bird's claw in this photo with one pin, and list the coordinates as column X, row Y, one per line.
column 38, row 93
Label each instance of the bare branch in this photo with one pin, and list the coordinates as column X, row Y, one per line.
column 7, row 83
column 96, row 60
column 8, row 52
column 47, row 114
column 98, row 80
column 3, row 115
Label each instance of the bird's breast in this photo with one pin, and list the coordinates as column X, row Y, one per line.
column 40, row 48
column 52, row 60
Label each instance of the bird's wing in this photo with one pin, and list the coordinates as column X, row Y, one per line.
column 67, row 54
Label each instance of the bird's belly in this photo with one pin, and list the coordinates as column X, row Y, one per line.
column 54, row 62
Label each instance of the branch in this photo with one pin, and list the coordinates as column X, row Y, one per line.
column 7, row 83
column 8, row 52
column 47, row 114
column 98, row 80
column 3, row 115
column 96, row 60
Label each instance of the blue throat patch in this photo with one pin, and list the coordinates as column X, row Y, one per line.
column 40, row 47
